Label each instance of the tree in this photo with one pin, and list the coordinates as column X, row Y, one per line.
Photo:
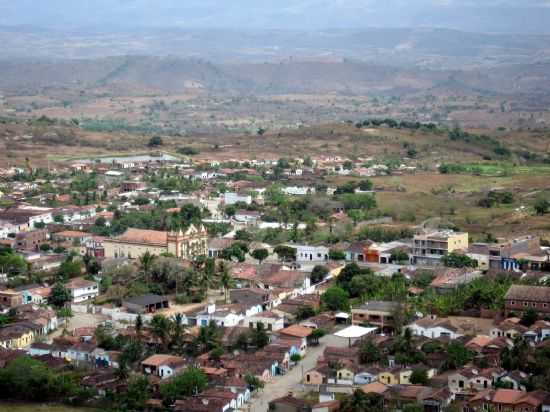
column 457, row 355
column 413, row 407
column 208, row 338
column 542, row 205
column 242, row 341
column 316, row 335
column 258, row 336
column 399, row 256
column 59, row 295
column 335, row 298
column 243, row 235
column 419, row 377
column 253, row 382
column 45, row 247
column 369, row 353
column 295, row 357
column 365, row 185
column 161, row 326
column 70, row 268
column 28, row 379
column 360, row 285
column 360, row 401
column 226, row 280
column 155, row 141
column 529, row 317
column 136, row 395
column 190, row 382
column 146, row 262
column 285, row 253
column 138, row 324
column 260, row 255
column 515, row 358
column 235, row 251
column 11, row 263
column 305, row 312
column 456, row 260
column 318, row 274
column 347, row 274
column 336, row 255
column 177, row 333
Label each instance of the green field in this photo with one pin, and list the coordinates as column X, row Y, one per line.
column 37, row 407
column 498, row 169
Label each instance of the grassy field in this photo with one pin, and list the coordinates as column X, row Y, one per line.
column 502, row 169
column 35, row 407
column 454, row 199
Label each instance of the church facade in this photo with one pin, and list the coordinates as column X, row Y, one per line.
column 133, row 243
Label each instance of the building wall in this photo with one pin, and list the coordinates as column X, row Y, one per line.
column 388, row 378
column 19, row 342
column 458, row 241
column 11, row 299
column 313, row 378
column 520, row 306
column 130, row 250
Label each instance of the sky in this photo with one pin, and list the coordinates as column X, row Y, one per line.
column 510, row 16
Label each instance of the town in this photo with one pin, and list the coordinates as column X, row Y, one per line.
column 166, row 282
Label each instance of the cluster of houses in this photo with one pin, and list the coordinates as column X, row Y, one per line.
column 42, row 229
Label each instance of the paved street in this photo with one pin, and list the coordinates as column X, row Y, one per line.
column 281, row 385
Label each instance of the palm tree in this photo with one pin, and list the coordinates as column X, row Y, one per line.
column 206, row 278
column 177, row 333
column 207, row 338
column 161, row 329
column 226, row 281
column 146, row 262
column 139, row 325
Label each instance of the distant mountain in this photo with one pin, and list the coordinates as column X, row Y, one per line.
column 171, row 75
column 432, row 48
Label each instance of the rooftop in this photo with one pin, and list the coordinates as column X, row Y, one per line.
column 528, row 293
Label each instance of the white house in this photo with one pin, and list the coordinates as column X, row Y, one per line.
column 230, row 198
column 7, row 228
column 310, row 253
column 76, row 214
column 298, row 191
column 246, row 217
column 434, row 328
column 81, row 352
column 82, row 289
column 225, row 316
column 270, row 320
column 163, row 366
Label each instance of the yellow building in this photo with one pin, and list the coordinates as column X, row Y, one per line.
column 429, row 248
column 400, row 376
column 136, row 242
column 389, row 378
column 16, row 336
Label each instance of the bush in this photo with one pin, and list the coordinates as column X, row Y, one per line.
column 335, row 299
column 155, row 141
column 318, row 274
column 188, row 151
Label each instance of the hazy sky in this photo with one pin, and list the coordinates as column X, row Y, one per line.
column 475, row 15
